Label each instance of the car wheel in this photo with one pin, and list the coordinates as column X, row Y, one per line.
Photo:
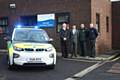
column 10, row 67
column 52, row 66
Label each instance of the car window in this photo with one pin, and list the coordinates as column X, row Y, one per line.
column 31, row 35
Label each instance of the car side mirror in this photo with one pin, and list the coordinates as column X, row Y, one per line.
column 7, row 38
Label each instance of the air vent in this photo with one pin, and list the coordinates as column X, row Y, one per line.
column 40, row 49
column 29, row 49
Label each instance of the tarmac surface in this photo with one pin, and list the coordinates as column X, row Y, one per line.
column 103, row 67
column 64, row 69
column 106, row 72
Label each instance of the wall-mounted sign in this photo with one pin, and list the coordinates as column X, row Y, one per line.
column 46, row 20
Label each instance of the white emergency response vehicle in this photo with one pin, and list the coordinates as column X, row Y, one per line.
column 30, row 47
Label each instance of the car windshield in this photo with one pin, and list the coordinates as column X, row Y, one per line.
column 30, row 35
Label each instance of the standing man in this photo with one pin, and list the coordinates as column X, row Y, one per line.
column 92, row 35
column 64, row 39
column 68, row 40
column 74, row 41
column 82, row 39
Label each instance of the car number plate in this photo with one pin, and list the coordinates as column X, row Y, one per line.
column 34, row 60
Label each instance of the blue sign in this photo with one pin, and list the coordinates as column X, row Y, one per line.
column 46, row 20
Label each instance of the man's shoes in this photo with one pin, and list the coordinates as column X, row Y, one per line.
column 92, row 56
column 86, row 57
column 65, row 57
column 71, row 56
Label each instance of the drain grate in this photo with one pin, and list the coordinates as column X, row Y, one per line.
column 115, row 69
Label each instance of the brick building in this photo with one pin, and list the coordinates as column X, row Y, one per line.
column 76, row 12
column 116, row 24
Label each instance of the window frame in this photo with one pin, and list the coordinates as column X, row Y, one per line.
column 98, row 21
column 58, row 24
column 107, row 23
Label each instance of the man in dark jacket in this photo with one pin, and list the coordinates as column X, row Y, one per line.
column 64, row 38
column 82, row 39
column 92, row 35
column 68, row 40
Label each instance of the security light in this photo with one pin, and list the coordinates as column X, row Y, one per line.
column 12, row 5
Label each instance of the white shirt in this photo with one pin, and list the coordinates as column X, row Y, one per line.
column 64, row 29
column 74, row 30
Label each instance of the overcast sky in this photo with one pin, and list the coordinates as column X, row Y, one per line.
column 115, row 0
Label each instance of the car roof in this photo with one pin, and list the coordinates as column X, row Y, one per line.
column 28, row 29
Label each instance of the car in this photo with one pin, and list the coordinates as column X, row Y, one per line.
column 30, row 47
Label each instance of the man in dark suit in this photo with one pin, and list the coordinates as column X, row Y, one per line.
column 92, row 35
column 64, row 39
column 74, row 41
column 68, row 40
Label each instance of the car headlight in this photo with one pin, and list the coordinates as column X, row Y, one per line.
column 18, row 49
column 51, row 55
column 16, row 55
column 49, row 49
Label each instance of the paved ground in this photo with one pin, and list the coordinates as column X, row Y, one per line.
column 64, row 69
column 101, row 57
column 103, row 72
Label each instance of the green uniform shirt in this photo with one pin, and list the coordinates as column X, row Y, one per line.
column 82, row 34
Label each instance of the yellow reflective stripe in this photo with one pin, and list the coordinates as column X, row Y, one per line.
column 10, row 48
column 20, row 45
column 10, row 51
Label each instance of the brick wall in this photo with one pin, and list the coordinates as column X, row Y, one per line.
column 103, row 7
column 79, row 11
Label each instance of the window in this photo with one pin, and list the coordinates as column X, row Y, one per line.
column 3, row 25
column 4, row 21
column 62, row 18
column 107, row 24
column 29, row 20
column 98, row 21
